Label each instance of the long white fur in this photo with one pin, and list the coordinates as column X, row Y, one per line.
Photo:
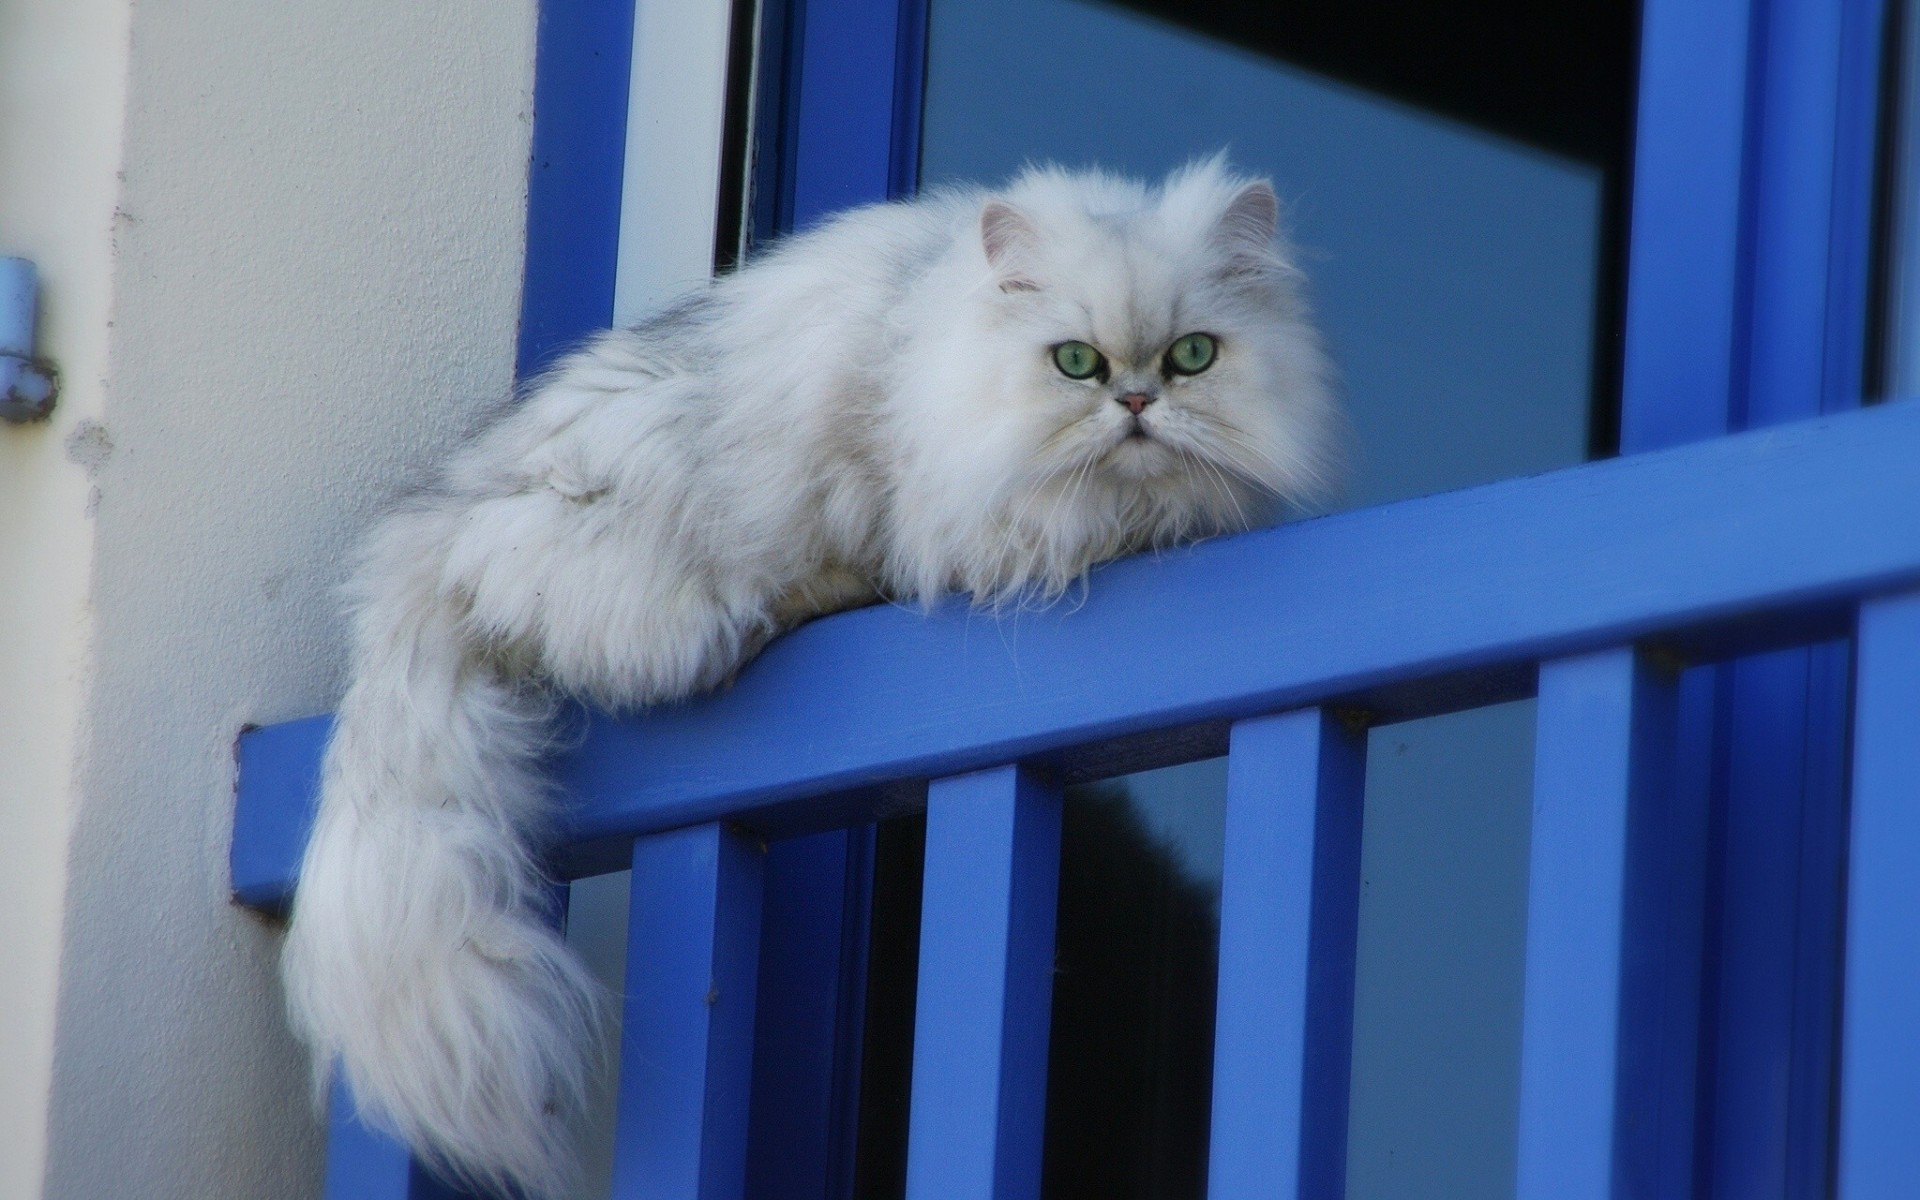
column 871, row 410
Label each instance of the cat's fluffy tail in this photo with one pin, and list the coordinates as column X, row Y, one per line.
column 422, row 961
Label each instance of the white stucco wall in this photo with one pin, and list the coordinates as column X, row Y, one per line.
column 282, row 249
column 62, row 93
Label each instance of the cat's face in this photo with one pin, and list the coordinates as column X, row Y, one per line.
column 1104, row 367
column 1155, row 339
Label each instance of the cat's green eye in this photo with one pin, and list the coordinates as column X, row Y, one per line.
column 1191, row 354
column 1077, row 360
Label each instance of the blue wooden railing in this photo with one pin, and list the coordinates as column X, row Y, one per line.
column 1740, row 543
column 1683, row 984
column 1589, row 587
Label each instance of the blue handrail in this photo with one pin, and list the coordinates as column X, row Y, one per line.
column 1713, row 548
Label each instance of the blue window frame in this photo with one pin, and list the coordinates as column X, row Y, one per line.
column 1721, row 970
column 1748, row 306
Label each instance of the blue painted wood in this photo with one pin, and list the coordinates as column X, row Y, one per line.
column 365, row 1164
column 1853, row 245
column 1784, row 520
column 857, row 86
column 1509, row 572
column 1819, row 926
column 277, row 789
column 1685, row 330
column 909, row 95
column 1289, row 917
column 581, row 74
column 776, row 118
column 806, row 1072
column 1780, row 120
column 1902, row 245
column 1665, row 930
column 985, row 988
column 1777, row 789
column 362, row 1163
column 686, row 1056
column 1791, row 222
column 1684, row 257
column 1880, row 1059
column 1613, row 938
column 1769, row 797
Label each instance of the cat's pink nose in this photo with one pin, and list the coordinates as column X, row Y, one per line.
column 1136, row 401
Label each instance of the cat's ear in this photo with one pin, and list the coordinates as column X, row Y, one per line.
column 1010, row 241
column 1245, row 230
column 1252, row 216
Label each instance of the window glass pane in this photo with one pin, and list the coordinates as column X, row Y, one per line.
column 1130, row 1073
column 1440, row 974
column 597, row 931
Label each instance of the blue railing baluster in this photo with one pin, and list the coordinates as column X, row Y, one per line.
column 1614, row 918
column 807, row 1028
column 985, row 988
column 1880, row 1035
column 365, row 1164
column 1289, row 909
column 686, row 1055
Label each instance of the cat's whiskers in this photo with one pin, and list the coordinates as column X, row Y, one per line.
column 1007, row 553
column 1249, row 472
column 1006, row 557
column 1212, row 473
column 1067, row 498
column 1208, row 486
column 1224, row 445
column 1078, row 438
column 1220, row 454
column 1229, row 441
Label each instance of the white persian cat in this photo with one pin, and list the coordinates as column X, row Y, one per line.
column 976, row 391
